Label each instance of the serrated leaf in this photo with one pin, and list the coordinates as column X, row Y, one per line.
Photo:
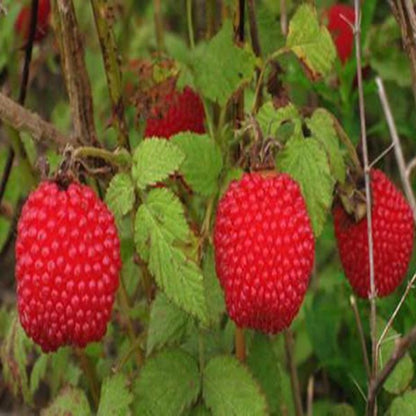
column 270, row 118
column 264, row 366
column 115, row 397
column 230, row 390
column 201, row 172
column 168, row 384
column 220, row 67
column 307, row 163
column 404, row 405
column 38, row 372
column 71, row 401
column 402, row 375
column 322, row 128
column 154, row 160
column 168, row 323
column 160, row 230
column 120, row 195
column 310, row 41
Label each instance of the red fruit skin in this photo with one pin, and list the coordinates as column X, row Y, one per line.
column 184, row 112
column 341, row 30
column 264, row 250
column 67, row 266
column 22, row 24
column 393, row 232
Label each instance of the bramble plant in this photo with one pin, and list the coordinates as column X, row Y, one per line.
column 206, row 209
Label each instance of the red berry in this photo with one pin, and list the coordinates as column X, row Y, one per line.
column 340, row 18
column 392, row 230
column 182, row 111
column 22, row 24
column 67, row 266
column 264, row 250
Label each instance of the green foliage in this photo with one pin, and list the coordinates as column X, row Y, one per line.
column 220, row 67
column 167, row 385
column 404, row 405
column 154, row 160
column 310, row 41
column 69, row 401
column 160, row 229
column 230, row 390
column 120, row 195
column 201, row 172
column 115, row 397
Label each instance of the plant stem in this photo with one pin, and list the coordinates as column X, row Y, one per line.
column 119, row 159
column 158, row 25
column 190, row 23
column 90, row 374
column 240, row 345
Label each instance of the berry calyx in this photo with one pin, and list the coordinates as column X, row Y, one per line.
column 22, row 24
column 264, row 250
column 67, row 266
column 179, row 112
column 340, row 18
column 392, row 231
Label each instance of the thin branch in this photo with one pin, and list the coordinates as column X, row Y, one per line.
column 381, row 156
column 372, row 294
column 254, row 33
column 6, row 172
column 361, row 334
column 158, row 25
column 283, row 17
column 410, row 167
column 396, row 311
column 407, row 186
column 240, row 344
column 75, row 71
column 294, row 380
column 190, row 24
column 22, row 119
column 309, row 408
column 112, row 67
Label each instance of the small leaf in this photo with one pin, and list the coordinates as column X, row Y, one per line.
column 230, row 390
column 168, row 384
column 322, row 128
column 201, row 172
column 310, row 41
column 307, row 163
column 200, row 410
column 71, row 401
column 342, row 409
column 167, row 324
column 115, row 397
column 220, row 67
column 154, row 160
column 404, row 405
column 38, row 372
column 120, row 195
column 160, row 230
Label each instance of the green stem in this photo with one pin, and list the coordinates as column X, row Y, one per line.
column 118, row 158
column 90, row 374
column 158, row 25
column 190, row 24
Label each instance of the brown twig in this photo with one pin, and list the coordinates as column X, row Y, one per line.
column 361, row 334
column 240, row 345
column 309, row 408
column 101, row 11
column 75, row 71
column 254, row 34
column 158, row 25
column 411, row 165
column 294, row 380
column 283, row 17
column 407, row 186
column 22, row 119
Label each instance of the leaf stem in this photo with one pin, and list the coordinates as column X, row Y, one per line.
column 240, row 344
column 90, row 374
column 118, row 158
column 190, row 23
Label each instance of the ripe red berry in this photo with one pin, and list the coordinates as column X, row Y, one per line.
column 181, row 111
column 340, row 18
column 264, row 250
column 67, row 266
column 22, row 24
column 392, row 230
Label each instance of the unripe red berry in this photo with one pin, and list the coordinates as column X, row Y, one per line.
column 264, row 250
column 67, row 266
column 22, row 24
column 392, row 231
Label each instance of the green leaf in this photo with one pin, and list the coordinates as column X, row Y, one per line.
column 264, row 366
column 307, row 163
column 220, row 67
column 38, row 372
column 200, row 410
column 200, row 172
column 168, row 384
column 230, row 390
column 270, row 118
column 404, row 405
column 402, row 375
column 160, row 230
column 167, row 324
column 115, row 397
column 310, row 41
column 154, row 160
column 120, row 195
column 342, row 409
column 71, row 401
column 322, row 128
